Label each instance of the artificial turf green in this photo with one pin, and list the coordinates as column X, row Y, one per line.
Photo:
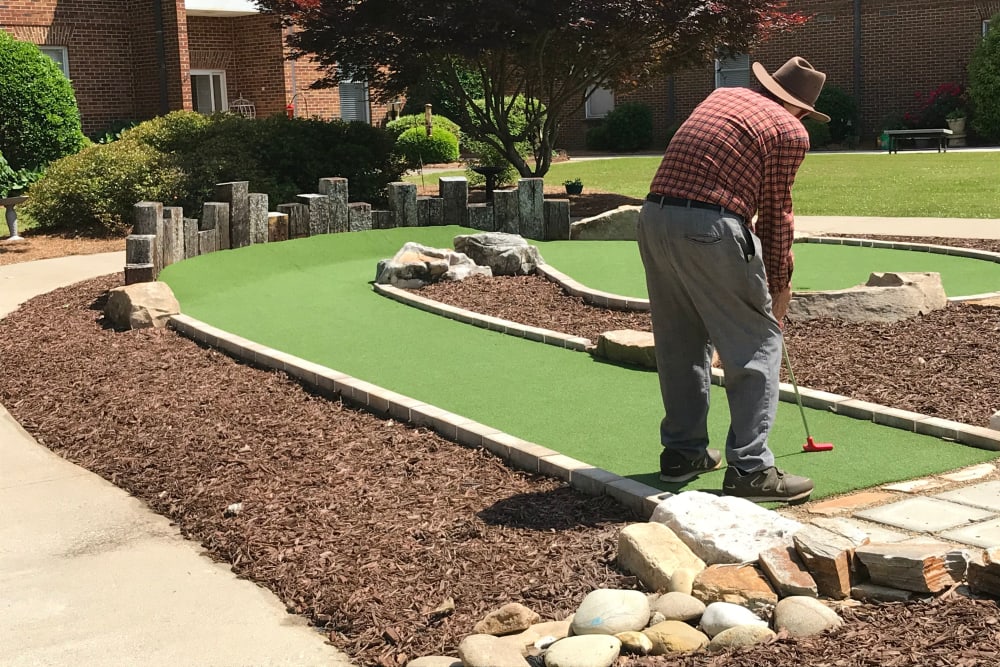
column 615, row 266
column 312, row 298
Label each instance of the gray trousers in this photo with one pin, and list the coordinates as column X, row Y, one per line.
column 707, row 287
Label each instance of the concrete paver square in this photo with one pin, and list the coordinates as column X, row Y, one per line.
column 925, row 514
column 985, row 495
column 985, row 534
column 970, row 473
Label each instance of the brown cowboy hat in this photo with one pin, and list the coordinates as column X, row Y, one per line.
column 795, row 82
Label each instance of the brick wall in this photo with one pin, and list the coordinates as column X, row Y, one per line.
column 908, row 46
column 115, row 68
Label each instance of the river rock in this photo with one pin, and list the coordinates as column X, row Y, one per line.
column 489, row 651
column 741, row 635
column 676, row 606
column 608, row 611
column 584, row 651
column 803, row 616
column 635, row 643
column 721, row 616
column 675, row 637
column 508, row 619
column 435, row 661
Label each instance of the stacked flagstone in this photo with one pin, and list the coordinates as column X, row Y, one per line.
column 724, row 573
column 161, row 235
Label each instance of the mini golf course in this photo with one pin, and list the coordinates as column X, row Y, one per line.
column 312, row 298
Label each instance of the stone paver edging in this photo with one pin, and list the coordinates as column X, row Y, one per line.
column 966, row 434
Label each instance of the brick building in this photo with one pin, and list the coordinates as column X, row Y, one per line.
column 882, row 52
column 213, row 55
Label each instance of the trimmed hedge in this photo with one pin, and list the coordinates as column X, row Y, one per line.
column 39, row 119
column 93, row 191
column 441, row 146
column 629, row 127
column 404, row 123
column 984, row 83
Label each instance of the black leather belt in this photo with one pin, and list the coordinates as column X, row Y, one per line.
column 664, row 200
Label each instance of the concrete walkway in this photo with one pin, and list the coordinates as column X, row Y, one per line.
column 91, row 576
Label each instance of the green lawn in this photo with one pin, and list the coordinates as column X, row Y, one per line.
column 951, row 185
column 617, row 267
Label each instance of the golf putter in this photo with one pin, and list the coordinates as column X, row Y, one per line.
column 810, row 446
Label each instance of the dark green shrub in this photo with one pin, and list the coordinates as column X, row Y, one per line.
column 628, row 127
column 819, row 133
column 984, row 83
column 441, row 146
column 92, row 192
column 177, row 159
column 843, row 112
column 596, row 138
column 39, row 119
column 404, row 123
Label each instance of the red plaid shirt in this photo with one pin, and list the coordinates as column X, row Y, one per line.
column 741, row 150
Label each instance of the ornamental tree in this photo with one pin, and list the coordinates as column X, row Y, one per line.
column 546, row 55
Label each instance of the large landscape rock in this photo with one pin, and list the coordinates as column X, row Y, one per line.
column 627, row 346
column 724, row 529
column 616, row 225
column 886, row 297
column 608, row 611
column 505, row 254
column 141, row 305
column 416, row 265
column 653, row 552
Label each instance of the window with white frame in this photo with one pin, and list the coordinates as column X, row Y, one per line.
column 733, row 71
column 986, row 27
column 354, row 101
column 208, row 91
column 600, row 102
column 58, row 54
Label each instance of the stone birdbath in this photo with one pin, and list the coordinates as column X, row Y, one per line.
column 9, row 203
column 491, row 173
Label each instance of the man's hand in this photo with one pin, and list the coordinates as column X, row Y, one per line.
column 779, row 304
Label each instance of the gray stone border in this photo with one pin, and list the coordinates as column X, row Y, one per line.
column 974, row 436
column 609, row 300
column 640, row 498
column 529, row 456
column 497, row 324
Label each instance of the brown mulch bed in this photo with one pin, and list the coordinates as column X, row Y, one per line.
column 45, row 246
column 367, row 526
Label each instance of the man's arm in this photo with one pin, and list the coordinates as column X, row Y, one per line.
column 775, row 218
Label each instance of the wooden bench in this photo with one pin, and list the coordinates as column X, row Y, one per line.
column 941, row 135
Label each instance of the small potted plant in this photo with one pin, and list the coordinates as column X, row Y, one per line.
column 12, row 186
column 573, row 186
column 956, row 120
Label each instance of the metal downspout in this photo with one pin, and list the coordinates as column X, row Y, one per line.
column 858, row 79
column 161, row 57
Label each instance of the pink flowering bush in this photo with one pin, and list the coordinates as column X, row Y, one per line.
column 933, row 109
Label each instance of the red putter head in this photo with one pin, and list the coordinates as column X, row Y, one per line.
column 811, row 446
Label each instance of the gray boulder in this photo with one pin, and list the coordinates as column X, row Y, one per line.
column 505, row 254
column 416, row 265
column 619, row 224
column 886, row 297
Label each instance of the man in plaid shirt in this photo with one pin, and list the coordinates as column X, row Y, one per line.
column 716, row 279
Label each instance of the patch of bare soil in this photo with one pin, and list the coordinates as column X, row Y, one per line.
column 368, row 527
column 45, row 246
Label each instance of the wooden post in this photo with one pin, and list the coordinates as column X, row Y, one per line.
column 427, row 119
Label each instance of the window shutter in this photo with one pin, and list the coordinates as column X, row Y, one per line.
column 733, row 72
column 354, row 101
